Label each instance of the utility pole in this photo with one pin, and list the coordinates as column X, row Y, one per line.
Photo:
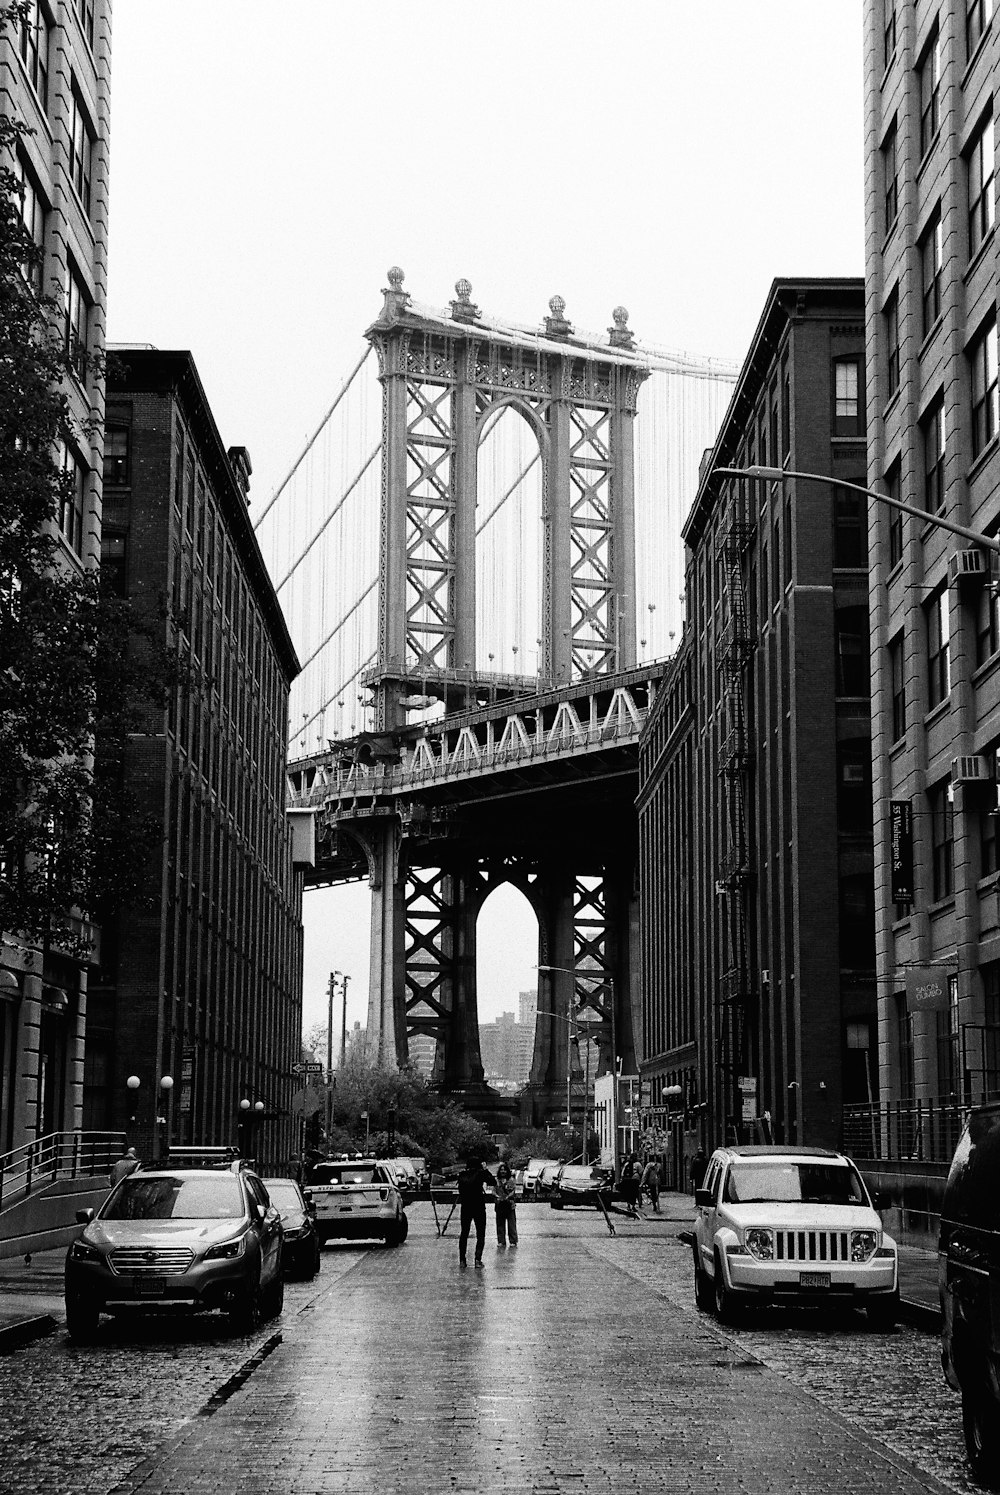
column 343, row 1024
column 330, row 991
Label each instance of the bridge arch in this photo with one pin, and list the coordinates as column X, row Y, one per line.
column 510, row 541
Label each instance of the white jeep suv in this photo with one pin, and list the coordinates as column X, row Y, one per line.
column 790, row 1224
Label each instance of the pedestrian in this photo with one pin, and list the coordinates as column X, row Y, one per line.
column 651, row 1182
column 125, row 1165
column 472, row 1180
column 506, row 1207
column 699, row 1167
column 630, row 1182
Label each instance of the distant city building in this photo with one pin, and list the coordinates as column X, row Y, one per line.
column 527, row 1005
column 201, row 978
column 755, row 825
column 55, row 78
column 931, row 85
column 507, row 1047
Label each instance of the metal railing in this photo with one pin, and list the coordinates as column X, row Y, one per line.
column 60, row 1155
column 904, row 1131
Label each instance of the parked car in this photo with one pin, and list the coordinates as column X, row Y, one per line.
column 584, row 1184
column 418, row 1167
column 545, row 1183
column 206, row 1238
column 301, row 1250
column 794, row 1225
column 357, row 1201
column 532, row 1169
column 968, row 1256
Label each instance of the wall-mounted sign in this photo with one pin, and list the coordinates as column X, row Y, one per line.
column 901, row 850
column 927, row 989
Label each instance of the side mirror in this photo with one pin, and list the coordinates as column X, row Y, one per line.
column 703, row 1198
column 84, row 1216
column 261, row 1212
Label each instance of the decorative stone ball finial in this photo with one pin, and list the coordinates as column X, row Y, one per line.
column 463, row 309
column 621, row 334
column 557, row 306
column 463, row 290
column 396, row 277
column 620, row 317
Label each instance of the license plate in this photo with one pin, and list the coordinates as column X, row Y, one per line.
column 345, row 1209
column 814, row 1279
column 149, row 1287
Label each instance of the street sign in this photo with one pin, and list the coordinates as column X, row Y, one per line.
column 304, row 1068
column 748, row 1084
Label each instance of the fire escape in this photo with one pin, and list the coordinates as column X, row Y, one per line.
column 733, row 881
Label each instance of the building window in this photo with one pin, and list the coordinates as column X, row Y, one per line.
column 983, row 356
column 932, row 432
column 854, row 788
column 851, row 631
column 931, row 265
column 982, row 198
column 942, row 840
column 938, row 652
column 116, row 453
column 850, row 528
column 72, row 502
column 33, row 218
column 891, row 315
column 81, row 145
column 978, row 14
column 85, row 10
column 897, row 686
column 904, row 1040
column 113, row 563
column 788, row 537
column 786, row 416
column 895, row 517
column 847, row 419
column 36, row 32
column 75, row 320
column 987, row 842
column 929, row 70
column 890, row 176
column 987, row 624
column 888, row 33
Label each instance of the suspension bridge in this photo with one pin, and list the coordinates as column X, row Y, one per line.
column 478, row 555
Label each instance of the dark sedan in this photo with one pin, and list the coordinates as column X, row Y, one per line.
column 301, row 1255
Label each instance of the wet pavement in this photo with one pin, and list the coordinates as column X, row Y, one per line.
column 576, row 1362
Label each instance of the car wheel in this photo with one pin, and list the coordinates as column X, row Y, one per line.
column 276, row 1296
column 725, row 1307
column 982, row 1434
column 883, row 1312
column 702, row 1288
column 317, row 1258
column 82, row 1318
column 246, row 1309
column 555, row 1204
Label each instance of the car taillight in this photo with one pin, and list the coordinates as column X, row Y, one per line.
column 383, row 1194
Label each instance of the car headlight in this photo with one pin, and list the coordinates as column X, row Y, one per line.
column 760, row 1243
column 227, row 1250
column 80, row 1251
column 863, row 1244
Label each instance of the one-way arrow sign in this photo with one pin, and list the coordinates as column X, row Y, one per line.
column 304, row 1068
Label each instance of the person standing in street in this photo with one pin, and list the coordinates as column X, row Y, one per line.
column 699, row 1167
column 472, row 1180
column 651, row 1182
column 124, row 1166
column 506, row 1207
column 630, row 1182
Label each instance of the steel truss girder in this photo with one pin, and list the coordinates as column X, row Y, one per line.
column 430, row 526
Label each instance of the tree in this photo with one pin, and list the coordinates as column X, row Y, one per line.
column 77, row 668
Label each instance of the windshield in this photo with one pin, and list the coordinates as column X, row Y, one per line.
column 285, row 1196
column 345, row 1173
column 210, row 1197
column 757, row 1181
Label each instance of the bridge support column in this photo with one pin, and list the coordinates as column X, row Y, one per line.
column 551, row 1059
column 386, row 1025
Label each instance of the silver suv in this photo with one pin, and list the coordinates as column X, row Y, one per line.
column 790, row 1224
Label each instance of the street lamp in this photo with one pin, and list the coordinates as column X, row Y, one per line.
column 779, row 474
column 166, row 1086
column 600, row 979
column 566, row 1017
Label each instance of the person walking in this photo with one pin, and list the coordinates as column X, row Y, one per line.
column 472, row 1180
column 506, row 1207
column 650, row 1181
column 630, row 1182
column 125, row 1165
column 699, row 1167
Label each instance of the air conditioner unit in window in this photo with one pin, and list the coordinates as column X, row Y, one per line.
column 968, row 568
column 853, row 773
column 970, row 768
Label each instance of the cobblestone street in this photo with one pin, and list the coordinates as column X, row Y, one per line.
column 575, row 1363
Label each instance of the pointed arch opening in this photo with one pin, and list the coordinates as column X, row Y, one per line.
column 509, row 545
column 507, row 986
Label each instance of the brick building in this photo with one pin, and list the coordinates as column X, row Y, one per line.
column 55, row 76
column 204, row 987
column 756, row 917
column 931, row 74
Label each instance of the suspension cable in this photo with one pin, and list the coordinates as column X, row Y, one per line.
column 338, row 626
column 331, row 516
column 299, row 731
column 311, row 442
column 510, row 491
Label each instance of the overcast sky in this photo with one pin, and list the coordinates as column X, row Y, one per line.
column 269, row 162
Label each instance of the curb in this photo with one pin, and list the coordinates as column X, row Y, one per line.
column 920, row 1315
column 24, row 1331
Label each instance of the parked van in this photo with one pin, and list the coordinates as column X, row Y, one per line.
column 969, row 1277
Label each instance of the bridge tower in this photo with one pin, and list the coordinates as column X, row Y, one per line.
column 446, row 376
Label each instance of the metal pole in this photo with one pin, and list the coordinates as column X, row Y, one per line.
column 343, row 1025
column 569, row 1069
column 331, row 988
column 586, row 1092
column 614, row 1079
